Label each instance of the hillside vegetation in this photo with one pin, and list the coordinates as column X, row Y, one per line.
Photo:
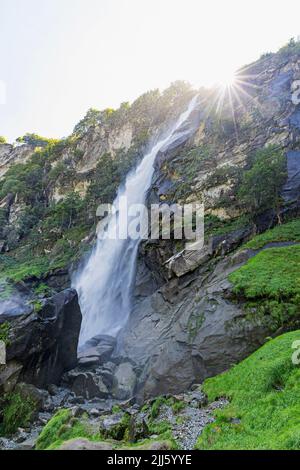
column 264, row 393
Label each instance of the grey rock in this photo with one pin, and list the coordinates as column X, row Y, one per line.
column 86, row 384
column 85, row 444
column 9, row 376
column 114, row 426
column 94, row 412
column 40, row 398
column 125, row 381
column 291, row 189
column 44, row 344
column 188, row 260
column 197, row 333
column 97, row 350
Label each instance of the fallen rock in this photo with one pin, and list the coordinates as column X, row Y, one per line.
column 9, row 376
column 115, row 426
column 96, row 351
column 124, row 381
column 86, row 384
column 187, row 260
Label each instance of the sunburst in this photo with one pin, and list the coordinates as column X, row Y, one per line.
column 230, row 95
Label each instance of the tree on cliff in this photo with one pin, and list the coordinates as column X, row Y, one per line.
column 2, row 140
column 35, row 140
column 91, row 119
column 261, row 185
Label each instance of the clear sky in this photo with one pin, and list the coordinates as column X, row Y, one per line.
column 60, row 57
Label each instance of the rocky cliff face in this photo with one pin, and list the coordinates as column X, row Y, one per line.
column 185, row 324
column 10, row 155
column 41, row 343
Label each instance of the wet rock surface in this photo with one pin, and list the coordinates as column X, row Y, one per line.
column 43, row 344
column 124, row 381
column 189, row 329
column 97, row 350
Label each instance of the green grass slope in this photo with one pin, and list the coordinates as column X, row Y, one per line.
column 289, row 231
column 268, row 285
column 264, row 394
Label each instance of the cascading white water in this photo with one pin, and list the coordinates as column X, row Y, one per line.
column 104, row 284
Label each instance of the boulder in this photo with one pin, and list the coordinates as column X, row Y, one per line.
column 42, row 345
column 41, row 399
column 85, row 444
column 114, row 426
column 86, row 384
column 97, row 350
column 187, row 261
column 124, row 381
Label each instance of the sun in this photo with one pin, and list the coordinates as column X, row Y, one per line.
column 227, row 78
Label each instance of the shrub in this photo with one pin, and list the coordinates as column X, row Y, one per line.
column 261, row 185
column 35, row 140
column 17, row 412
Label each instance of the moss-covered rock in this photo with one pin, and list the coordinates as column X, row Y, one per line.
column 16, row 411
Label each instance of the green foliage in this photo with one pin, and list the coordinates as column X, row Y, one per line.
column 160, row 427
column 42, row 289
column 62, row 174
column 51, row 431
column 183, row 169
column 6, row 289
column 261, row 185
column 65, row 213
column 223, row 175
column 47, row 234
column 195, row 322
column 26, row 270
column 288, row 232
column 37, row 305
column 269, row 282
column 105, row 181
column 264, row 409
column 35, row 140
column 216, row 226
column 116, row 409
column 91, row 119
column 4, row 332
column 156, row 405
column 17, row 411
column 178, row 406
column 272, row 273
column 291, row 48
column 2, row 140
column 119, row 431
column 64, row 427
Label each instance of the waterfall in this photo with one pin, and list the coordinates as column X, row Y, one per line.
column 104, row 284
